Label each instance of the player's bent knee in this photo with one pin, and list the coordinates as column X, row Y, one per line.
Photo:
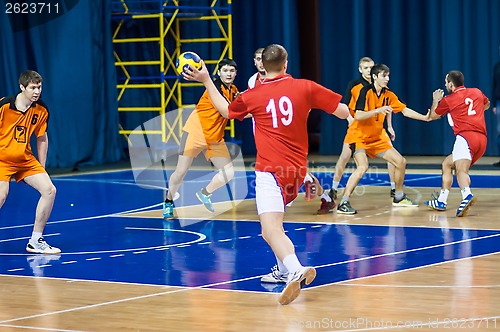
column 400, row 163
column 226, row 173
column 49, row 191
column 362, row 168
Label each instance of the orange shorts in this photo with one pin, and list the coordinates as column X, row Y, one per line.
column 192, row 145
column 374, row 147
column 20, row 171
column 352, row 135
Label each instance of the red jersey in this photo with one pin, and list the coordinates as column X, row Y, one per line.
column 280, row 107
column 466, row 107
column 255, row 80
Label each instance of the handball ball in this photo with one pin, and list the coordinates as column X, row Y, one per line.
column 187, row 58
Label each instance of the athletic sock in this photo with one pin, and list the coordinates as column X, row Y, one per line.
column 281, row 267
column 443, row 195
column 35, row 236
column 326, row 196
column 466, row 192
column 335, row 185
column 292, row 263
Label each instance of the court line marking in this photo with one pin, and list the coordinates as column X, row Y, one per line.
column 189, row 289
column 120, row 214
column 403, row 252
column 114, row 214
column 96, row 305
column 27, row 237
column 201, row 237
column 337, row 263
column 37, row 328
column 356, row 259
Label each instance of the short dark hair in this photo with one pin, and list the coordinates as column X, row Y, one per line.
column 456, row 77
column 29, row 76
column 379, row 68
column 274, row 57
column 227, row 61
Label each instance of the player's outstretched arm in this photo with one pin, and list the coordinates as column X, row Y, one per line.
column 409, row 113
column 364, row 115
column 203, row 76
column 342, row 111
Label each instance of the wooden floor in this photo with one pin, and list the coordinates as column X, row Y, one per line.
column 461, row 294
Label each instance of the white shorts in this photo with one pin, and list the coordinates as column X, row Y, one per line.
column 461, row 149
column 268, row 194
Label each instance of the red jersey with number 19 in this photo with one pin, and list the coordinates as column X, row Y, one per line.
column 280, row 107
column 466, row 107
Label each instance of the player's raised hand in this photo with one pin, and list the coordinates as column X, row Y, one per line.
column 438, row 95
column 193, row 74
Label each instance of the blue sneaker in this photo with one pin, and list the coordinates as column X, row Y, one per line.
column 168, row 210
column 436, row 205
column 205, row 199
column 465, row 205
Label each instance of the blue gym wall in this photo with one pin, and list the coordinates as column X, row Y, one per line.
column 420, row 40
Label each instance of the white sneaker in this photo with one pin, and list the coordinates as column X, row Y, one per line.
column 41, row 247
column 275, row 277
column 296, row 281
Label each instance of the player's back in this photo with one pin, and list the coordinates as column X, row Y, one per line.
column 280, row 107
column 466, row 107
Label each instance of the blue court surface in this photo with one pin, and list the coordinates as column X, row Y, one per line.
column 100, row 243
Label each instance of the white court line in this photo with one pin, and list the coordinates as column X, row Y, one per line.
column 36, row 328
column 125, row 300
column 201, row 237
column 195, row 288
column 28, row 237
column 405, row 251
column 114, row 214
column 254, row 277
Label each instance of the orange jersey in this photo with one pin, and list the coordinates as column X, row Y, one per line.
column 350, row 98
column 16, row 129
column 205, row 117
column 352, row 93
column 372, row 129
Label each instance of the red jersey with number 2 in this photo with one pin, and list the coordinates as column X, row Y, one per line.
column 466, row 107
column 280, row 107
